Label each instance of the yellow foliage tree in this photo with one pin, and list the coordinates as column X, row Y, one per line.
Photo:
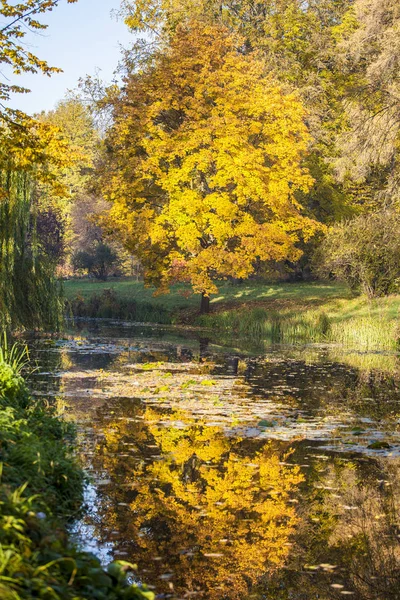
column 204, row 163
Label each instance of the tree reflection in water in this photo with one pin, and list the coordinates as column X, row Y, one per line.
column 212, row 512
column 208, row 513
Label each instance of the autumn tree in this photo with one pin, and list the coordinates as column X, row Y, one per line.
column 368, row 44
column 204, row 163
column 14, row 54
column 364, row 252
column 74, row 121
column 297, row 43
column 30, row 158
column 75, row 218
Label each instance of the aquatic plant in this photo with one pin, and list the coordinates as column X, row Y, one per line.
column 15, row 356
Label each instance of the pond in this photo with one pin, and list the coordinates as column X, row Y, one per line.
column 226, row 471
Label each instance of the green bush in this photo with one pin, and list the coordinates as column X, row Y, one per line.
column 12, row 385
column 364, row 252
column 41, row 488
column 100, row 261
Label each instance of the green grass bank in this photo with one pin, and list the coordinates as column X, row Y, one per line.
column 40, row 492
column 281, row 312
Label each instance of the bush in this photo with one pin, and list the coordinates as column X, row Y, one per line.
column 364, row 252
column 100, row 261
column 108, row 305
column 41, row 488
column 12, row 385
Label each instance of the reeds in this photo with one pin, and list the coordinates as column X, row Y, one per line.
column 15, row 356
column 312, row 326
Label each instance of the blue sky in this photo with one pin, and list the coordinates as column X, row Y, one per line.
column 81, row 37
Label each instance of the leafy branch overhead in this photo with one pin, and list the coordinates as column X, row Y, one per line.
column 20, row 18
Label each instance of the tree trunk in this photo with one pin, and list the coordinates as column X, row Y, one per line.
column 204, row 342
column 205, row 304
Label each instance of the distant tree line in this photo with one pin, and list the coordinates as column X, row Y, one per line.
column 247, row 139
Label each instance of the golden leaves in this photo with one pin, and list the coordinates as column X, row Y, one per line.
column 38, row 149
column 214, row 149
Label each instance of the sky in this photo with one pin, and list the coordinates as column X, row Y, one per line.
column 81, row 38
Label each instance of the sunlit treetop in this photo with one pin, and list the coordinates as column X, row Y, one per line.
column 40, row 150
column 204, row 162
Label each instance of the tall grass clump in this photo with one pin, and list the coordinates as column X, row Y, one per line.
column 41, row 488
column 366, row 333
column 273, row 326
column 310, row 326
column 15, row 356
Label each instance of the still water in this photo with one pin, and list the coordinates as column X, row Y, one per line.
column 231, row 472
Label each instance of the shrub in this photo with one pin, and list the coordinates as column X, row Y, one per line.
column 99, row 261
column 40, row 489
column 364, row 252
column 108, row 305
column 12, row 384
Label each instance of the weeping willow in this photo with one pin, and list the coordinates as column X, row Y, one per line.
column 30, row 295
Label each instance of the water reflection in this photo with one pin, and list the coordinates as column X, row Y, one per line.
column 224, row 475
column 207, row 514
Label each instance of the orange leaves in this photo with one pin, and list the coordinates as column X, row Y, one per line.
column 214, row 147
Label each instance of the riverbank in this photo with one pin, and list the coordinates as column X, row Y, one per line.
column 280, row 313
column 41, row 490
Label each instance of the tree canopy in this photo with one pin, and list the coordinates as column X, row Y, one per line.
column 204, row 162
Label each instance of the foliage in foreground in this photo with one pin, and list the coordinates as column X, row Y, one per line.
column 40, row 488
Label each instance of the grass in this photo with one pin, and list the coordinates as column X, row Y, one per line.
column 278, row 312
column 352, row 322
column 230, row 294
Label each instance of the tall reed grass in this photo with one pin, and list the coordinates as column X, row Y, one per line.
column 312, row 326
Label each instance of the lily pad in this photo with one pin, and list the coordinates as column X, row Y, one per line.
column 379, row 445
column 265, row 423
